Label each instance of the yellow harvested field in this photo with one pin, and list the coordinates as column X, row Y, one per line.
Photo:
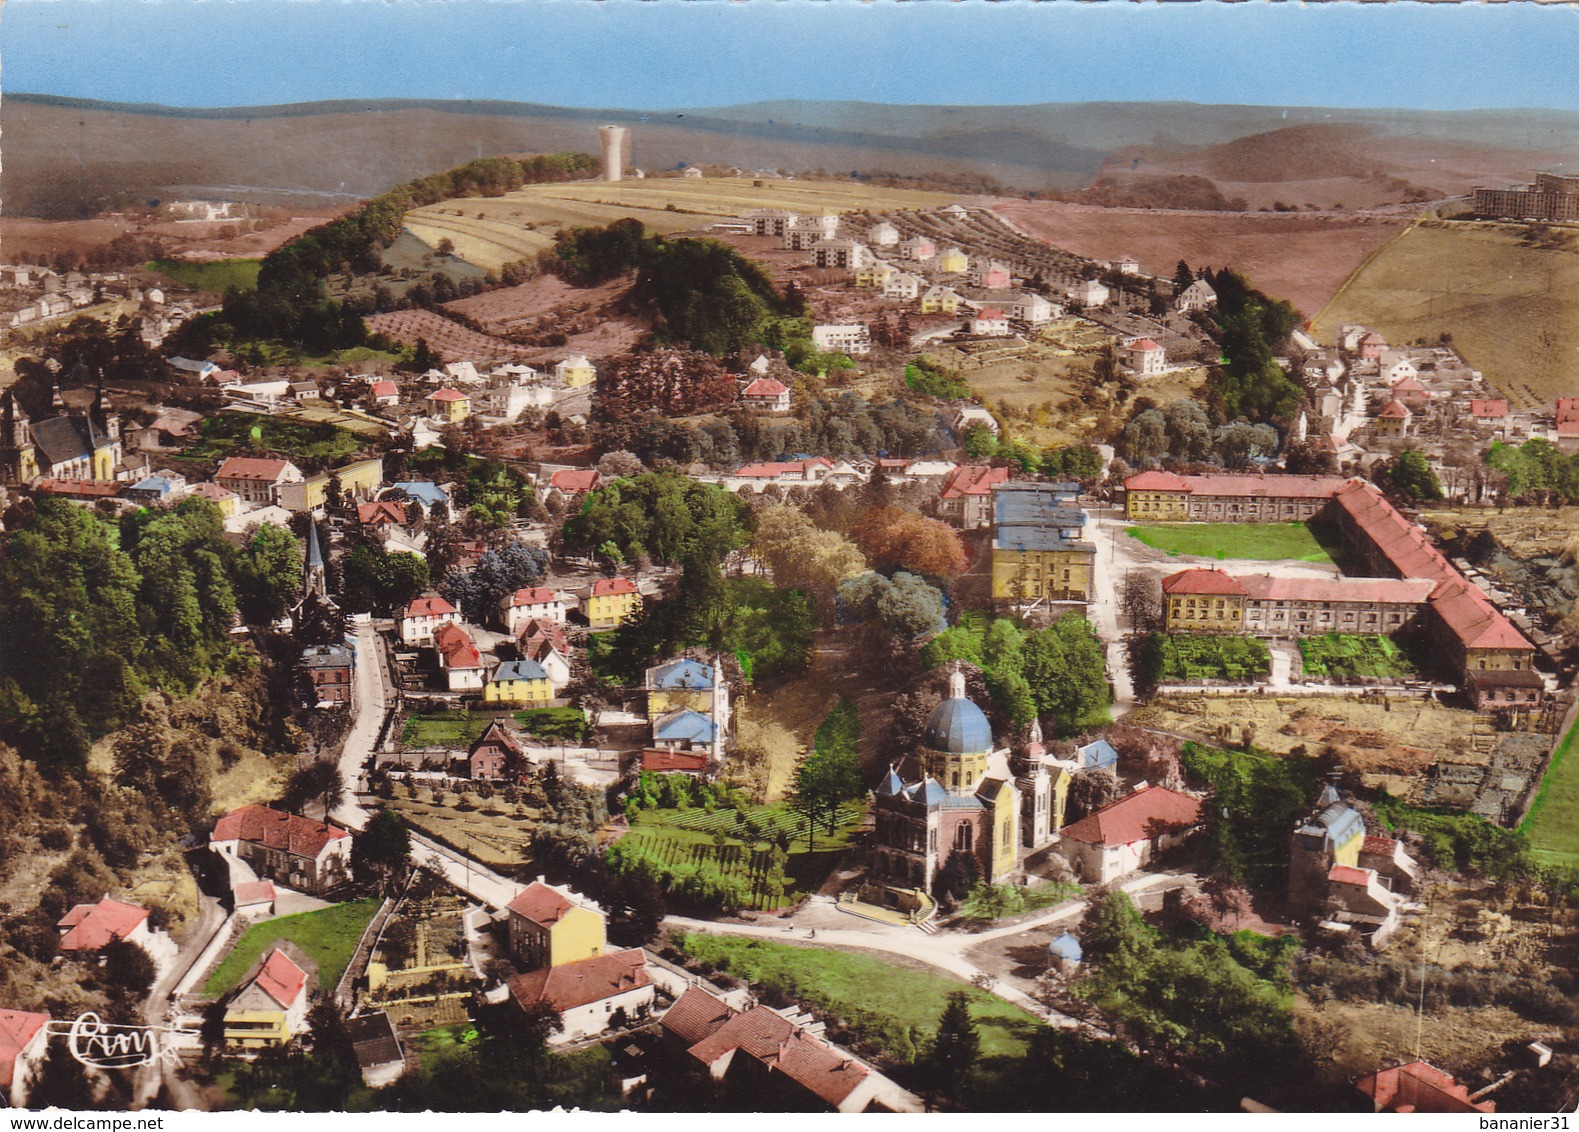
column 492, row 231
column 1508, row 296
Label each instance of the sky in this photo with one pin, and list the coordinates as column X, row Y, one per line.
column 673, row 54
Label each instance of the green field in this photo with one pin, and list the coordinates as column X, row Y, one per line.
column 1304, row 542
column 1173, row 657
column 1553, row 822
column 459, row 729
column 686, row 836
column 216, row 276
column 328, row 936
column 1341, row 654
column 226, row 432
column 1504, row 292
column 896, row 1007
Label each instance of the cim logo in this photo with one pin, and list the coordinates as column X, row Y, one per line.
column 108, row 1045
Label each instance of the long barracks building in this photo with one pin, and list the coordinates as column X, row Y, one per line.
column 1409, row 584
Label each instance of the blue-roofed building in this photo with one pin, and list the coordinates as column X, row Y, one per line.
column 683, row 730
column 161, row 487
column 957, row 818
column 1039, row 549
column 519, row 682
column 423, row 492
column 688, row 684
column 1097, row 755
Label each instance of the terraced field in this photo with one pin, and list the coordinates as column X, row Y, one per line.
column 492, row 231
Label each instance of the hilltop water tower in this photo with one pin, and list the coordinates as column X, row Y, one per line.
column 616, row 150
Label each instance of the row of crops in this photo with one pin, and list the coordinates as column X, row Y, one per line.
column 1174, row 658
column 1341, row 655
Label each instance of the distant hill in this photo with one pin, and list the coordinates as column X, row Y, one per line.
column 70, row 157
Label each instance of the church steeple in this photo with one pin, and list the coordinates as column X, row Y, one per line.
column 315, row 582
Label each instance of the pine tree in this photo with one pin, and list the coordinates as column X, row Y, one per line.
column 956, row 1046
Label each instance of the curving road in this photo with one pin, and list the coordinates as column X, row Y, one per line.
column 367, row 704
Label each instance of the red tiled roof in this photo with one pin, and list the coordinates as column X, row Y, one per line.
column 1488, row 410
column 1202, row 582
column 604, row 587
column 496, row 732
column 771, row 470
column 1408, row 384
column 989, row 314
column 1419, row 1087
column 448, row 395
column 1145, row 344
column 1156, row 481
column 1380, row 846
column 1473, row 619
column 765, row 387
column 574, row 480
column 586, row 980
column 1348, row 874
column 212, row 491
column 428, row 606
column 1136, row 817
column 973, row 479
column 783, row 1047
column 456, row 647
column 383, row 511
column 541, row 903
column 17, row 1029
column 664, row 761
column 1395, row 410
column 1568, row 428
column 1392, row 590
column 538, row 596
column 1373, row 339
column 275, row 829
column 1400, row 541
column 254, row 892
column 251, row 468
column 385, row 389
column 1567, row 410
column 696, row 1015
column 77, row 487
column 91, row 927
column 1274, row 487
column 280, row 978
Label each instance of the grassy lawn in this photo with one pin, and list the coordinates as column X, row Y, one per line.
column 1304, row 542
column 328, row 936
column 686, row 836
column 892, row 1005
column 445, row 728
column 1553, row 822
column 217, row 276
column 226, row 431
column 1173, row 657
column 1342, row 654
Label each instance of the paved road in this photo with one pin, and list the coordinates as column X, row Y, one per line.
column 1104, row 608
column 368, row 705
column 475, row 879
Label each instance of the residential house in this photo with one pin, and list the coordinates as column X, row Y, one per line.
column 875, row 274
column 494, row 753
column 1039, row 550
column 550, row 926
column 1126, row 834
column 256, row 480
column 1370, row 346
column 459, row 660
column 193, row 368
column 1145, row 357
column 903, row 287
column 376, row 1048
column 589, row 995
column 963, row 418
column 766, row 395
column 1098, row 754
column 1198, row 296
column 990, row 322
column 358, row 481
column 989, row 275
column 1031, row 308
column 1394, row 419
column 882, row 234
column 1565, row 428
column 849, row 255
column 770, row 1060
column 423, row 616
column 684, row 683
column 1491, row 411
column 93, row 927
column 806, row 232
column 270, row 1007
column 575, row 372
column 534, row 604
column 952, row 261
column 312, row 856
column 450, row 405
column 1089, row 293
column 918, row 248
column 552, row 654
column 228, row 502
column 327, row 671
column 424, row 492
column 23, row 1046
column 519, row 682
column 770, row 221
column 383, row 394
column 1409, row 390
column 684, row 729
column 966, row 499
column 570, row 484
column 610, row 601
column 940, row 300
column 382, row 514
column 1127, row 265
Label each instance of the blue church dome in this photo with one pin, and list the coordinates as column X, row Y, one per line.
column 957, row 726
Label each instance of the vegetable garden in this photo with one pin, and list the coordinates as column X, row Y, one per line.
column 1343, row 655
column 1174, row 658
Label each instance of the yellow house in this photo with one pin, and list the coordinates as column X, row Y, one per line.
column 575, row 372
column 271, row 1007
column 680, row 684
column 1203, row 601
column 874, row 274
column 228, row 502
column 519, row 682
column 952, row 260
column 1157, row 497
column 551, row 926
column 360, row 480
column 449, row 405
column 940, row 300
column 1052, row 574
column 611, row 601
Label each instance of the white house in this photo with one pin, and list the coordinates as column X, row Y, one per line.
column 918, row 248
column 807, row 232
column 422, row 617
column 767, row 394
column 1029, row 307
column 1145, row 357
column 587, row 993
column 770, row 221
column 531, row 604
column 383, row 394
column 903, row 286
column 990, row 322
column 972, row 415
column 1124, row 835
column 1089, row 293
column 309, row 855
column 851, row 255
column 883, row 234
column 257, row 480
column 459, row 659
column 1198, row 296
column 846, row 338
column 1127, row 265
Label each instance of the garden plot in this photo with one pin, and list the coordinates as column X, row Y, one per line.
column 1341, row 656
